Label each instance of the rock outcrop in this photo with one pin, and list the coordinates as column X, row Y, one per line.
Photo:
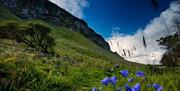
column 50, row 12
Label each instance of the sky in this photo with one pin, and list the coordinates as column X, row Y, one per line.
column 105, row 15
column 125, row 22
column 126, row 16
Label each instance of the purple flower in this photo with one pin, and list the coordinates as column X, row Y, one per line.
column 124, row 73
column 130, row 79
column 113, row 80
column 94, row 89
column 128, row 88
column 136, row 87
column 148, row 85
column 140, row 74
column 117, row 66
column 158, row 87
column 105, row 81
column 119, row 89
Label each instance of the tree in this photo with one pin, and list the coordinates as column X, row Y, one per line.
column 172, row 45
column 35, row 35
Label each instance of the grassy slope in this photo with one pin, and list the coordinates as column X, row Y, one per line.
column 81, row 65
column 6, row 14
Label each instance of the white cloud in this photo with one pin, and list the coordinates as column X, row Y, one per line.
column 154, row 30
column 75, row 7
column 114, row 31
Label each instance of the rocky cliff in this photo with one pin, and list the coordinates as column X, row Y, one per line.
column 50, row 12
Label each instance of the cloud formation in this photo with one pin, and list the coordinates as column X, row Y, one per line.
column 75, row 7
column 158, row 27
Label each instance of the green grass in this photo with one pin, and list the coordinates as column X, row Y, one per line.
column 81, row 65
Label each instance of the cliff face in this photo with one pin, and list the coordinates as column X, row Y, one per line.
column 49, row 12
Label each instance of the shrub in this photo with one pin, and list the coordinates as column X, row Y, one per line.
column 9, row 30
column 35, row 35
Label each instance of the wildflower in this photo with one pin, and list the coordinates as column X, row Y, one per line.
column 128, row 88
column 140, row 74
column 94, row 89
column 148, row 85
column 105, row 81
column 136, row 87
column 130, row 79
column 113, row 80
column 124, row 73
column 117, row 66
column 158, row 87
column 119, row 89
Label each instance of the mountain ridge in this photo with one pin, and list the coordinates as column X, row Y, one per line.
column 50, row 12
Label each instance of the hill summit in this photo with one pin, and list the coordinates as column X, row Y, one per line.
column 50, row 12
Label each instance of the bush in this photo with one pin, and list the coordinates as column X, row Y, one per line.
column 9, row 30
column 35, row 35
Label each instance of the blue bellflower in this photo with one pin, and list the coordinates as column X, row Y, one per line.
column 140, row 74
column 117, row 66
column 124, row 73
column 128, row 88
column 136, row 87
column 105, row 81
column 113, row 80
column 94, row 89
column 130, row 79
column 148, row 85
column 119, row 89
column 158, row 87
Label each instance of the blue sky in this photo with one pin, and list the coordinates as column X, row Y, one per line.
column 128, row 15
column 132, row 19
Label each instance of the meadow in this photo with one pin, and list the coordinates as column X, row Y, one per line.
column 79, row 65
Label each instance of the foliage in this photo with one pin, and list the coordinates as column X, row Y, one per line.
column 169, row 41
column 35, row 35
column 80, row 66
column 172, row 45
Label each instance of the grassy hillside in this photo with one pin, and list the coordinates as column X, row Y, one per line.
column 79, row 66
column 6, row 14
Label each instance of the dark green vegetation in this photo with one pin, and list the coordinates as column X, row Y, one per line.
column 172, row 44
column 78, row 63
column 35, row 35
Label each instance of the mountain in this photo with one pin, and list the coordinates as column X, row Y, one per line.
column 78, row 62
column 74, row 61
column 49, row 12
